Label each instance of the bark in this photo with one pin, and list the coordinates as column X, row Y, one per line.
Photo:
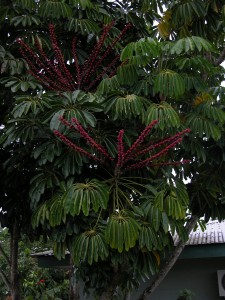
column 2, row 252
column 170, row 263
column 14, row 274
column 221, row 58
column 111, row 288
column 74, row 293
column 5, row 279
column 2, row 273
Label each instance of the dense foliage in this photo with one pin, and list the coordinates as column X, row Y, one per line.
column 113, row 189
column 37, row 283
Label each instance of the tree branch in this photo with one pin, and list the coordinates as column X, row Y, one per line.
column 220, row 59
column 2, row 252
column 170, row 262
column 5, row 279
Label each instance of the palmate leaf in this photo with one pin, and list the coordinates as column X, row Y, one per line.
column 47, row 151
column 81, row 3
column 210, row 110
column 188, row 12
column 22, row 83
column 39, row 183
column 50, row 212
column 141, row 52
column 90, row 246
column 78, row 105
column 57, row 214
column 164, row 29
column 83, row 26
column 164, row 26
column 195, row 62
column 25, row 20
column 40, row 216
column 24, row 104
column 70, row 162
column 10, row 64
column 124, row 106
column 108, row 85
column 155, row 216
column 165, row 114
column 59, row 249
column 122, row 231
column 203, row 126
column 169, row 83
column 86, row 196
column 190, row 44
column 173, row 200
column 127, row 74
column 146, row 264
column 194, row 146
column 23, row 129
column 149, row 238
column 27, row 4
column 55, row 9
column 194, row 82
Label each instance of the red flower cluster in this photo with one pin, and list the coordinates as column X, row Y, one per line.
column 55, row 75
column 40, row 282
column 132, row 155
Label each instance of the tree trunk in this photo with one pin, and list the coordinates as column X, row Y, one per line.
column 170, row 263
column 113, row 285
column 74, row 293
column 14, row 274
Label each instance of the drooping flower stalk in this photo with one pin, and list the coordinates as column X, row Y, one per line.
column 59, row 56
column 174, row 163
column 163, row 142
column 148, row 161
column 75, row 147
column 112, row 64
column 140, row 139
column 76, row 62
column 91, row 62
column 110, row 47
column 89, row 139
column 130, row 159
column 120, row 148
column 56, row 74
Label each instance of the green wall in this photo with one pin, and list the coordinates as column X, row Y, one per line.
column 198, row 275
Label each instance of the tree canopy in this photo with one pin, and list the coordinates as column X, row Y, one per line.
column 112, row 129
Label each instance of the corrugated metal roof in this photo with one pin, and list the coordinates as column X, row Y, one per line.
column 214, row 234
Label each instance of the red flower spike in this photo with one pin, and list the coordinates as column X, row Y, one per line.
column 123, row 157
column 39, row 70
column 120, row 148
column 147, row 162
column 55, row 75
column 175, row 163
column 53, row 69
column 76, row 62
column 163, row 142
column 73, row 146
column 110, row 47
column 86, row 136
column 103, row 72
column 65, row 122
column 60, row 57
column 140, row 139
column 90, row 64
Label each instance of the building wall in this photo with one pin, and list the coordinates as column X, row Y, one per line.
column 197, row 275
